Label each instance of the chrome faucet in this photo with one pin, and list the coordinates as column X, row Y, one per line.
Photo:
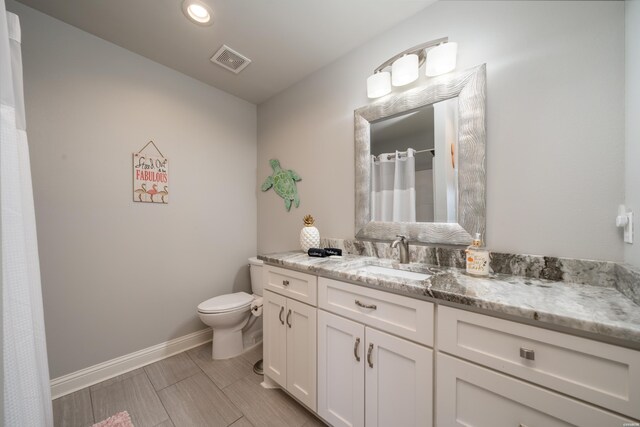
column 404, row 248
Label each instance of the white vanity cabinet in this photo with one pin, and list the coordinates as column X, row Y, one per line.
column 384, row 359
column 602, row 374
column 469, row 394
column 341, row 365
column 274, row 333
column 367, row 376
column 405, row 317
column 291, row 284
column 289, row 331
column 398, row 381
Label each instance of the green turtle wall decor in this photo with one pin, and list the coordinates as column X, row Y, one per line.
column 283, row 183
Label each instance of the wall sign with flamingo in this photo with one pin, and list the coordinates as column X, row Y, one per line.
column 150, row 177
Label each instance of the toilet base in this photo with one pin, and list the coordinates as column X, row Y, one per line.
column 230, row 343
column 226, row 344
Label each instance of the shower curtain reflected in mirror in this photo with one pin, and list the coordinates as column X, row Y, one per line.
column 393, row 187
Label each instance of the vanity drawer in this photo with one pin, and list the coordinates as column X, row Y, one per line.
column 402, row 316
column 299, row 286
column 470, row 395
column 599, row 373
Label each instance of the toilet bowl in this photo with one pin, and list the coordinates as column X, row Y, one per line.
column 235, row 329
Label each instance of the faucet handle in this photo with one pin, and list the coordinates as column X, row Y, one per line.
column 402, row 236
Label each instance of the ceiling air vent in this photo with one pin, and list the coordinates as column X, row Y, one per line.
column 230, row 59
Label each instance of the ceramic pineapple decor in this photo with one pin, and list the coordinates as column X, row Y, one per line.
column 309, row 235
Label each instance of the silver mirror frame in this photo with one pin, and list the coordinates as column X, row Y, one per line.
column 470, row 88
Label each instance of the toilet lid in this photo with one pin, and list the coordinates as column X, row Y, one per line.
column 226, row 302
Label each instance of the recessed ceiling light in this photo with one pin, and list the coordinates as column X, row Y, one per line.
column 198, row 12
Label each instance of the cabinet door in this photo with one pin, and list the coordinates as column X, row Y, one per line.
column 341, row 359
column 398, row 381
column 470, row 395
column 275, row 337
column 301, row 352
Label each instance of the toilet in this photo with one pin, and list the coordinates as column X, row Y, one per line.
column 235, row 329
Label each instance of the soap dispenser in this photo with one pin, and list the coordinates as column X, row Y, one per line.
column 477, row 258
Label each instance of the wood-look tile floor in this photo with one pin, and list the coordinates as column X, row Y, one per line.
column 188, row 389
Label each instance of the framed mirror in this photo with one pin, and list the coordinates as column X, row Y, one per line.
column 420, row 162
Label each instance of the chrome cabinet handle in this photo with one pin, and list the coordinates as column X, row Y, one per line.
column 280, row 315
column 371, row 306
column 528, row 354
column 288, row 316
column 369, row 355
column 285, row 283
column 521, row 425
column 355, row 349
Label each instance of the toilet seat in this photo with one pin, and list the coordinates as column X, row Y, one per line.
column 226, row 303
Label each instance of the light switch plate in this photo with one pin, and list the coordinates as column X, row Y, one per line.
column 628, row 229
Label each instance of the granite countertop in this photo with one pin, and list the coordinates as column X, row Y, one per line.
column 603, row 312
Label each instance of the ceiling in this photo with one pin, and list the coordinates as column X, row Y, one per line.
column 415, row 122
column 285, row 39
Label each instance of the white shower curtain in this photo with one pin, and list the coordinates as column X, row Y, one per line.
column 25, row 373
column 393, row 187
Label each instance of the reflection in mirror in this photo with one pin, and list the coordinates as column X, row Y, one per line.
column 458, row 191
column 414, row 175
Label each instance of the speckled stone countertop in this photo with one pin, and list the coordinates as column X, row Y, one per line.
column 601, row 312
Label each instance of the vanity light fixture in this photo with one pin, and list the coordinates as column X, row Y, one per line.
column 198, row 12
column 440, row 58
column 404, row 70
column 378, row 84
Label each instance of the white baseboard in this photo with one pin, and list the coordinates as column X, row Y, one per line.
column 111, row 368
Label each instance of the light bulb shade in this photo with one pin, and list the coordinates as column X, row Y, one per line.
column 198, row 12
column 378, row 84
column 441, row 59
column 404, row 70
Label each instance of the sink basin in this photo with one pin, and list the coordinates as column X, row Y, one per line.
column 403, row 274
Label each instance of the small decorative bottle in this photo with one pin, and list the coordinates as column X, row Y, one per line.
column 309, row 235
column 477, row 258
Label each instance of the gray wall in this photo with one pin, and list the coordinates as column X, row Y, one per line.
column 632, row 166
column 555, row 126
column 119, row 276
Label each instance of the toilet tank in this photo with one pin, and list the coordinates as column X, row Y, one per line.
column 255, row 268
